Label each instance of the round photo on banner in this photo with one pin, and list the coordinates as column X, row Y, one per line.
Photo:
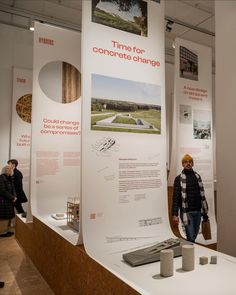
column 24, row 107
column 60, row 81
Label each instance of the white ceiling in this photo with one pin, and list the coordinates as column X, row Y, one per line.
column 193, row 19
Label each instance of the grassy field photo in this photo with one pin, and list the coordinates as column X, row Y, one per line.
column 125, row 15
column 125, row 106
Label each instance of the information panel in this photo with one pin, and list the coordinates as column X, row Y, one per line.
column 21, row 123
column 56, row 127
column 124, row 188
column 192, row 123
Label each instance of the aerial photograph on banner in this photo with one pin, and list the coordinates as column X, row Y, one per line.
column 185, row 114
column 201, row 124
column 60, row 81
column 125, row 15
column 125, row 105
column 24, row 107
column 188, row 67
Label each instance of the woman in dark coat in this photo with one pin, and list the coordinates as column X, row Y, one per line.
column 7, row 198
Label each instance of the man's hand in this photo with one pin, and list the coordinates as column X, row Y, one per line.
column 14, row 199
column 175, row 220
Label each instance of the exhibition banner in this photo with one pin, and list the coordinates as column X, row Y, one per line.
column 56, row 127
column 21, row 123
column 192, row 119
column 124, row 187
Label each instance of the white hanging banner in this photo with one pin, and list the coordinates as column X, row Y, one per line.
column 21, row 123
column 192, row 123
column 55, row 172
column 124, row 187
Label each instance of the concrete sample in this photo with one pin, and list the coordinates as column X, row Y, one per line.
column 203, row 260
column 213, row 260
column 166, row 263
column 188, row 257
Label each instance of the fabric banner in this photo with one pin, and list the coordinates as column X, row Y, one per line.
column 55, row 171
column 21, row 124
column 124, row 188
column 192, row 119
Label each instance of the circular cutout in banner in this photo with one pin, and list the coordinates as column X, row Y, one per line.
column 24, row 107
column 60, row 81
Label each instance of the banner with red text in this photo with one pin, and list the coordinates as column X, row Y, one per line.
column 124, row 189
column 56, row 139
column 21, row 124
column 192, row 123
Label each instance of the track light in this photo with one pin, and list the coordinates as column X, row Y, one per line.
column 169, row 24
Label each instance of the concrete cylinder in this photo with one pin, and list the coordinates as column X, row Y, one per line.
column 166, row 263
column 188, row 257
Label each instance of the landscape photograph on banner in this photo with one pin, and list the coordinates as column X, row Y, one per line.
column 125, row 106
column 126, row 15
column 201, row 124
column 185, row 114
column 188, row 64
column 24, row 107
column 60, row 81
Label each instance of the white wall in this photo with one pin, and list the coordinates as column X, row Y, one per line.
column 16, row 50
column 50, row 80
column 225, row 124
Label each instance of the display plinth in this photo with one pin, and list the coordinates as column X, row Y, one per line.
column 66, row 268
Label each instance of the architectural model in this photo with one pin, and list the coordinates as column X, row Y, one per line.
column 73, row 213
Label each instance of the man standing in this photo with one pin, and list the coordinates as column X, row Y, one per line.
column 17, row 179
column 189, row 199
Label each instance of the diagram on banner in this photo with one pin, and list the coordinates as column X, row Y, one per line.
column 185, row 114
column 125, row 106
column 129, row 16
column 60, row 81
column 188, row 65
column 24, row 107
column 201, row 124
column 105, row 146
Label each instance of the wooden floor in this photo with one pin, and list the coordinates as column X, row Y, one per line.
column 18, row 272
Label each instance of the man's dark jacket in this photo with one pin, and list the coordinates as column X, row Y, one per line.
column 17, row 179
column 7, row 194
column 192, row 192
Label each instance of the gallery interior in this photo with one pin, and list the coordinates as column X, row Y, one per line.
column 69, row 142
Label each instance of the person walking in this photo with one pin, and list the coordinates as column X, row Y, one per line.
column 18, row 184
column 7, row 198
column 189, row 200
